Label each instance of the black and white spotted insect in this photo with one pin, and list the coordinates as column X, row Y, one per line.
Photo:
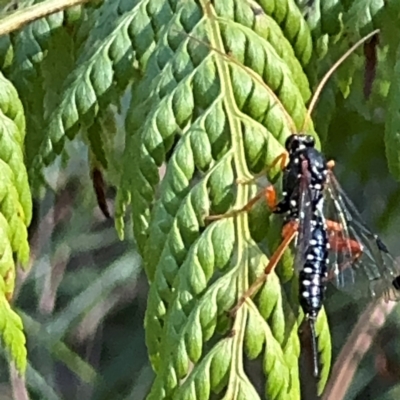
column 332, row 243
column 304, row 180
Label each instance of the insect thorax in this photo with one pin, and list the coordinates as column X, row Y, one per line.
column 292, row 180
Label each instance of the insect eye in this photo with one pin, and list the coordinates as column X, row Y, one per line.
column 292, row 143
column 309, row 141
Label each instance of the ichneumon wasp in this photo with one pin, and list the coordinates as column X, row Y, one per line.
column 331, row 241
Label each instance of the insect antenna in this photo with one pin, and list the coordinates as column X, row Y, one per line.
column 214, row 19
column 325, row 79
column 259, row 80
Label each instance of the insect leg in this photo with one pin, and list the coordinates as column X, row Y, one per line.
column 269, row 192
column 341, row 244
column 281, row 160
column 271, row 198
column 246, row 208
column 330, row 164
column 289, row 232
column 333, row 226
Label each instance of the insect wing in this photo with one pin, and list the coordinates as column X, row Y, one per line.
column 359, row 260
column 341, row 255
column 305, row 215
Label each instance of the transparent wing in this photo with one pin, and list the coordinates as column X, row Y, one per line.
column 305, row 215
column 359, row 260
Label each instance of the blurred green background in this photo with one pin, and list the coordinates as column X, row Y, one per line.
column 86, row 290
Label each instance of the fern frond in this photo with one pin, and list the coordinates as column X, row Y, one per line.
column 11, row 106
column 203, row 109
column 16, row 203
column 288, row 16
column 38, row 69
column 362, row 16
column 30, row 47
column 6, row 52
column 15, row 215
column 120, row 42
column 261, row 56
column 11, row 331
column 216, row 88
column 12, row 156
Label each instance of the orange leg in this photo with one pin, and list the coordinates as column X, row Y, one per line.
column 270, row 197
column 330, row 164
column 290, row 232
column 337, row 241
column 247, row 207
column 281, row 160
column 334, row 226
column 339, row 244
column 268, row 192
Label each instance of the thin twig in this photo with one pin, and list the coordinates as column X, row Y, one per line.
column 53, row 279
column 60, row 211
column 93, row 319
column 21, row 18
column 357, row 345
column 18, row 385
column 332, row 69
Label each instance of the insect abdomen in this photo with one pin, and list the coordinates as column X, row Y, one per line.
column 312, row 278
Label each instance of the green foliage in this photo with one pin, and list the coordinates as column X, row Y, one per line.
column 210, row 92
column 363, row 15
column 392, row 134
column 15, row 215
column 12, row 336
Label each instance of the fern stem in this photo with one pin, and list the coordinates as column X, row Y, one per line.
column 21, row 18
